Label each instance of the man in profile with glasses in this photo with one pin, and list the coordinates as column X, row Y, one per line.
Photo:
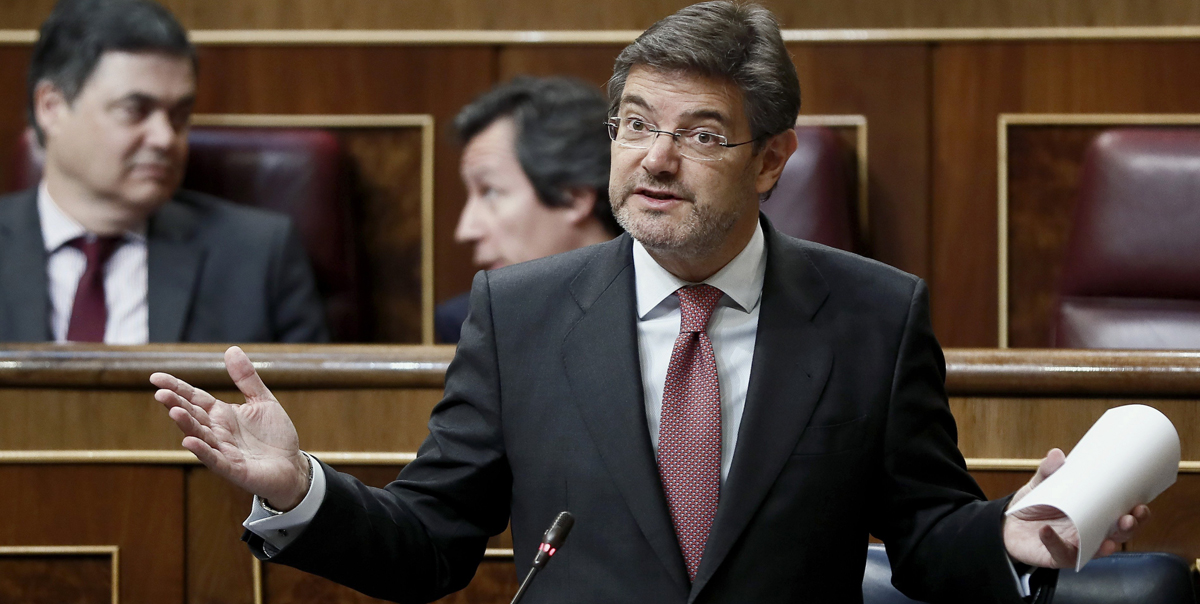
column 728, row 412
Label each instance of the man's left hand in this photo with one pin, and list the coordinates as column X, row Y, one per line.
column 1043, row 536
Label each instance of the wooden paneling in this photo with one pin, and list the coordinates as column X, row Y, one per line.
column 1043, row 182
column 137, row 508
column 632, row 14
column 973, row 83
column 889, row 84
column 54, row 579
column 14, row 66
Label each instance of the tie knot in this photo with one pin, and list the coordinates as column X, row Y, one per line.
column 696, row 304
column 97, row 250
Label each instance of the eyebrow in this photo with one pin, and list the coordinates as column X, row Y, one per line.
column 141, row 97
column 698, row 114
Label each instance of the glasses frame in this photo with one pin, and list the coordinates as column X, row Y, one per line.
column 614, row 123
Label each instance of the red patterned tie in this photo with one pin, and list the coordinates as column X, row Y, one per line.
column 689, row 436
column 89, row 313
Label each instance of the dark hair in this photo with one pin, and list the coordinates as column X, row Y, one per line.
column 736, row 41
column 78, row 33
column 561, row 138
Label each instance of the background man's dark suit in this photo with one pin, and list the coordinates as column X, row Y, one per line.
column 217, row 272
column 846, row 431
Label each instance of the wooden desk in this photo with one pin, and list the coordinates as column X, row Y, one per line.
column 89, row 460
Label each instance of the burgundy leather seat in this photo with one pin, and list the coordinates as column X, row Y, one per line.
column 1131, row 277
column 299, row 172
column 815, row 197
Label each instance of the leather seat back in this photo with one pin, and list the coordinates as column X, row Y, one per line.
column 815, row 196
column 1131, row 276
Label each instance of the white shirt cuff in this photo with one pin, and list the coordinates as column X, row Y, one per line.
column 1021, row 579
column 277, row 531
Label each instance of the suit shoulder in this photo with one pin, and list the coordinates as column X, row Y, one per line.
column 858, row 275
column 553, row 271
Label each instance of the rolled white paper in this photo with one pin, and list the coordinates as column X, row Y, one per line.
column 1128, row 457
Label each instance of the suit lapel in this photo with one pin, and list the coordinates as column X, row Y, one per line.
column 23, row 269
column 600, row 355
column 792, row 361
column 174, row 259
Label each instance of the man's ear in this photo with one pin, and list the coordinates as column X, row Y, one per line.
column 582, row 201
column 775, row 154
column 49, row 107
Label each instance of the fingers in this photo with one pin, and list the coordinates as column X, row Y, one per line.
column 1050, row 464
column 1128, row 524
column 245, row 376
column 190, row 393
column 207, row 455
column 1063, row 553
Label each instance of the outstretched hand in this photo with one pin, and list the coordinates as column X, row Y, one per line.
column 1043, row 536
column 253, row 445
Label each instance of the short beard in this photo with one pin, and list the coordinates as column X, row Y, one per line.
column 702, row 232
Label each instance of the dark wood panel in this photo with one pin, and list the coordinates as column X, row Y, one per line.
column 1174, row 526
column 14, row 67
column 137, row 508
column 627, row 14
column 889, row 84
column 975, row 82
column 590, row 63
column 387, row 163
column 1043, row 182
column 219, row 566
column 55, row 579
column 375, row 79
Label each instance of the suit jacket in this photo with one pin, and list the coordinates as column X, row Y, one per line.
column 217, row 272
column 846, row 431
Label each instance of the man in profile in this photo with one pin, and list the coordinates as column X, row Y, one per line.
column 106, row 248
column 728, row 412
column 535, row 164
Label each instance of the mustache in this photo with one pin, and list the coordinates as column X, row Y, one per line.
column 648, row 182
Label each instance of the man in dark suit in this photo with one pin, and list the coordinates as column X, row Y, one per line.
column 728, row 412
column 106, row 249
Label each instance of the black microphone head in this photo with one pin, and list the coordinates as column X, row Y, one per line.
column 557, row 533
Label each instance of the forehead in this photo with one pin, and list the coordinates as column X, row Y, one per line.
column 493, row 147
column 160, row 75
column 667, row 95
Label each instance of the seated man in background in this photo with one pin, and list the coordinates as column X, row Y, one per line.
column 536, row 170
column 106, row 249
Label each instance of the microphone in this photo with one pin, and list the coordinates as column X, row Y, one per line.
column 551, row 541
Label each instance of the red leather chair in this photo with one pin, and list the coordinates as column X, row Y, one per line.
column 299, row 172
column 815, row 199
column 1131, row 276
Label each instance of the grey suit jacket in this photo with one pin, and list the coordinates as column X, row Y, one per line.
column 218, row 272
column 846, row 432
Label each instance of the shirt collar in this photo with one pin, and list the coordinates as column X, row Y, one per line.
column 58, row 228
column 741, row 280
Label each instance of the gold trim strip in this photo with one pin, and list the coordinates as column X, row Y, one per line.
column 256, row 575
column 497, row 553
column 267, row 120
column 1003, row 121
column 266, row 37
column 113, row 551
column 859, row 123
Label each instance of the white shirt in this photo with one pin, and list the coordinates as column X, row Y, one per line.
column 732, row 329
column 126, row 280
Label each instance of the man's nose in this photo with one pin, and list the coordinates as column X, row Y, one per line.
column 469, row 228
column 663, row 155
column 160, row 132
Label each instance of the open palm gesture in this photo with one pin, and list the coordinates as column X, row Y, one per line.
column 253, row 445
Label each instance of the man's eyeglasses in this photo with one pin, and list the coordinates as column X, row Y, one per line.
column 700, row 145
